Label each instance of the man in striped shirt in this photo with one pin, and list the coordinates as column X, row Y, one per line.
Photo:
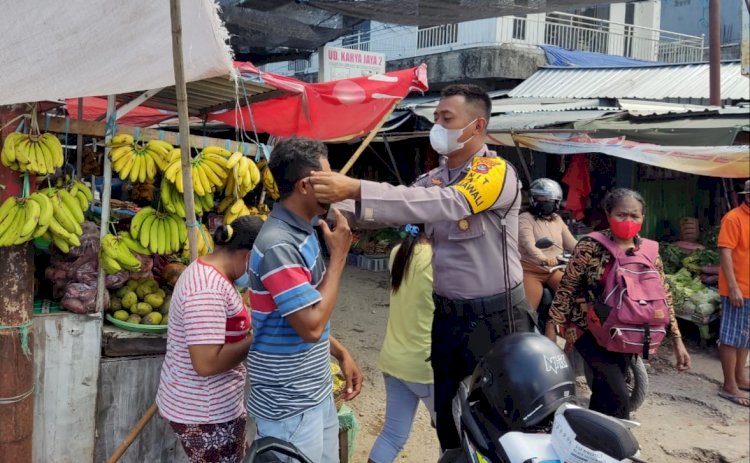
column 292, row 298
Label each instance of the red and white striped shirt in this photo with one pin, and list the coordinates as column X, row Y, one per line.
column 202, row 303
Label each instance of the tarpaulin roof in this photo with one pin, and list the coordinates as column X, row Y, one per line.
column 95, row 108
column 278, row 30
column 557, row 56
column 53, row 50
column 713, row 161
column 714, row 130
column 333, row 111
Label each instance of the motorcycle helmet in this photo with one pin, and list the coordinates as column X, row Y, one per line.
column 522, row 381
column 546, row 188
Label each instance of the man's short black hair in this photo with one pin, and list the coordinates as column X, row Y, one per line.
column 293, row 159
column 473, row 94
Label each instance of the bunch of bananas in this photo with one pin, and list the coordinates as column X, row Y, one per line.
column 55, row 214
column 68, row 208
column 244, row 175
column 269, row 184
column 35, row 154
column 22, row 220
column 161, row 233
column 173, row 201
column 208, row 170
column 233, row 208
column 205, row 243
column 115, row 255
column 136, row 161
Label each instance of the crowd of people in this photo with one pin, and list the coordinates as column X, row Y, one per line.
column 468, row 272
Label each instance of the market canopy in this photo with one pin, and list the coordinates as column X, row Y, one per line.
column 54, row 50
column 712, row 161
column 332, row 111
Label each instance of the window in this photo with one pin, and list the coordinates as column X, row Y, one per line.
column 681, row 2
column 298, row 65
column 436, row 36
column 360, row 39
column 519, row 27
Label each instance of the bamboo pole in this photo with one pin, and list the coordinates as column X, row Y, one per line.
column 184, row 117
column 106, row 198
column 368, row 139
column 79, row 143
column 525, row 166
column 120, row 451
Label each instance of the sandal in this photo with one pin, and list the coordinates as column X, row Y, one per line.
column 741, row 401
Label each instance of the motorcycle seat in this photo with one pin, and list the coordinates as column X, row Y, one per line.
column 601, row 433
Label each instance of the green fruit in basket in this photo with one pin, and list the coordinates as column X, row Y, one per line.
column 121, row 315
column 122, row 292
column 164, row 319
column 161, row 293
column 134, row 318
column 142, row 309
column 154, row 300
column 129, row 300
column 115, row 304
column 145, row 288
column 132, row 284
column 154, row 318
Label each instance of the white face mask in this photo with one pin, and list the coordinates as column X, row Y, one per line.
column 445, row 141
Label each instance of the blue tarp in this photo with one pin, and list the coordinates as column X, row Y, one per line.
column 560, row 57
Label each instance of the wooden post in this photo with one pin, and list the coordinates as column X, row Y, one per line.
column 525, row 166
column 184, row 117
column 16, row 358
column 79, row 158
column 368, row 139
column 106, row 198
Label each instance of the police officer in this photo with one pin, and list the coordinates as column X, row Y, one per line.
column 470, row 206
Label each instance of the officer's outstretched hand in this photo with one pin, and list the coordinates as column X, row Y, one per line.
column 332, row 187
column 338, row 240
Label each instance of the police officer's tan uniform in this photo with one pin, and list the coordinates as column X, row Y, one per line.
column 464, row 211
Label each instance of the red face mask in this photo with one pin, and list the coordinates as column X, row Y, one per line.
column 624, row 229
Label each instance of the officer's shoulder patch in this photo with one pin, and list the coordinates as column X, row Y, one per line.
column 484, row 183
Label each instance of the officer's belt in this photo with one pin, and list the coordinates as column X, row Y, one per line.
column 479, row 306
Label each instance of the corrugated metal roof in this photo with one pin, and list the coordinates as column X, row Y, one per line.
column 523, row 121
column 668, row 82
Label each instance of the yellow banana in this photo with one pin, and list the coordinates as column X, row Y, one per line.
column 122, row 139
column 7, row 206
column 234, row 159
column 109, row 264
column 174, row 233
column 173, row 170
column 153, row 243
column 127, row 167
column 10, row 223
column 22, row 149
column 82, row 200
column 144, row 234
column 86, row 190
column 60, row 243
column 182, row 230
column 9, row 147
column 217, row 150
column 211, row 176
column 63, row 216
column 138, row 219
column 135, row 171
column 132, row 244
column 254, row 173
column 150, row 165
column 55, row 149
column 31, row 219
column 72, row 204
column 120, row 152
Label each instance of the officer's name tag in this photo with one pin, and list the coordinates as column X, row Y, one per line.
column 483, row 184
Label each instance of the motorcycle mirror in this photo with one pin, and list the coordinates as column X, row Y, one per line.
column 544, row 243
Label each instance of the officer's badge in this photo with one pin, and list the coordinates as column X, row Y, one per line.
column 463, row 225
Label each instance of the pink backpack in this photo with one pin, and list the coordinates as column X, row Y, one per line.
column 631, row 315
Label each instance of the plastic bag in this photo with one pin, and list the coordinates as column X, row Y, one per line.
column 80, row 298
column 90, row 241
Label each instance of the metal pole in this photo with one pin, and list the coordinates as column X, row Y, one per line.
column 182, row 111
column 106, row 197
column 393, row 160
column 79, row 158
column 714, row 52
column 525, row 166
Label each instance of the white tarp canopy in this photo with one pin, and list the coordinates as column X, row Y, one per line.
column 54, row 49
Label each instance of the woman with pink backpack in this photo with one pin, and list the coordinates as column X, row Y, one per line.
column 613, row 302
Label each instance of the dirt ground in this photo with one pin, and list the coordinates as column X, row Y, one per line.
column 682, row 420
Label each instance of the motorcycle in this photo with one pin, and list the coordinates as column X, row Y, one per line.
column 519, row 407
column 265, row 450
column 636, row 376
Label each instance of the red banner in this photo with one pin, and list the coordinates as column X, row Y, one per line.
column 96, row 108
column 336, row 110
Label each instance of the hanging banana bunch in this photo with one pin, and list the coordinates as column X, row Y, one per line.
column 137, row 161
column 174, row 202
column 208, row 170
column 244, row 175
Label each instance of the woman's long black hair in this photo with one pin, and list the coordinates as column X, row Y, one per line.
column 404, row 254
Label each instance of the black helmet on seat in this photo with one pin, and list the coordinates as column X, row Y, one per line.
column 522, row 381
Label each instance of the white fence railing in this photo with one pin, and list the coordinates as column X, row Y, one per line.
column 563, row 30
